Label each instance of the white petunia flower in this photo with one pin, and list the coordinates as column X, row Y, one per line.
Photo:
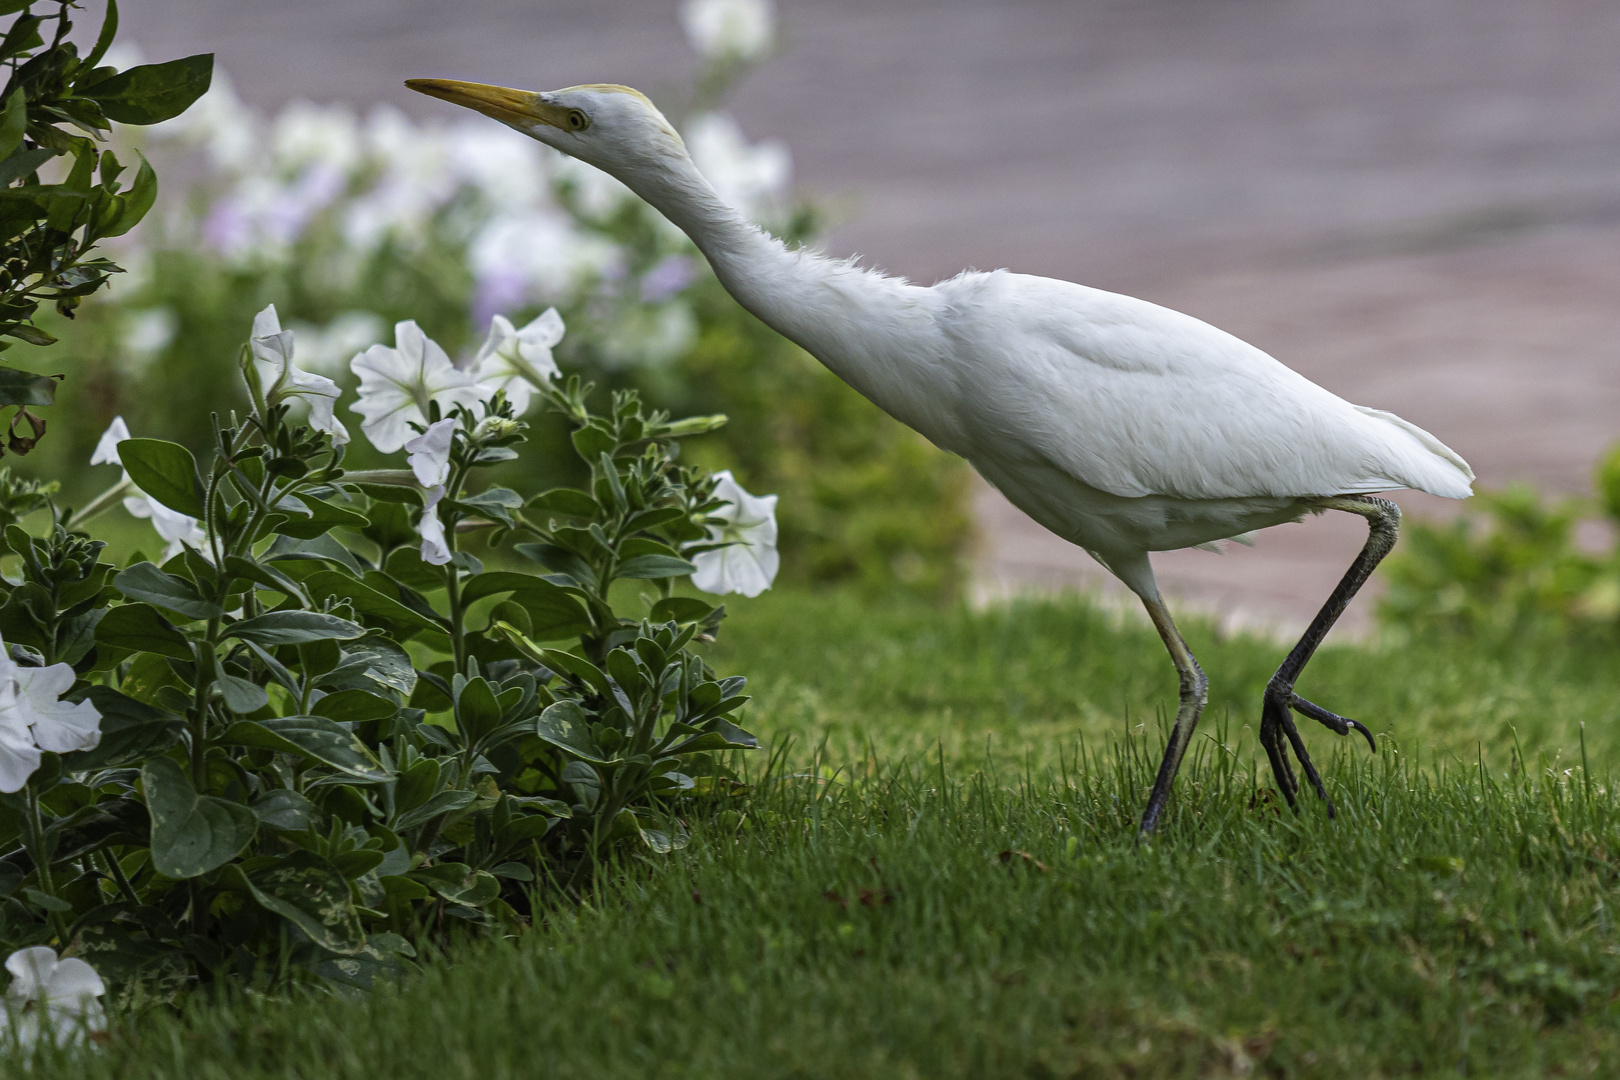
column 435, row 548
column 63, row 992
column 518, row 361
column 58, row 726
column 397, row 385
column 430, row 453
column 34, row 718
column 19, row 757
column 753, row 177
column 729, row 29
column 749, row 563
column 273, row 360
column 174, row 527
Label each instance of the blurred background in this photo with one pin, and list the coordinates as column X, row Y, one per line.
column 1416, row 203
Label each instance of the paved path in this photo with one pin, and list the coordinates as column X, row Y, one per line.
column 1414, row 202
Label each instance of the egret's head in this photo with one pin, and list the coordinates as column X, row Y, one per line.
column 612, row 127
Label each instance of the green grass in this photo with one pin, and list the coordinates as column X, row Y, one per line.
column 940, row 879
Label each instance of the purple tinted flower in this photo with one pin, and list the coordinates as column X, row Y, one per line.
column 499, row 290
column 672, row 274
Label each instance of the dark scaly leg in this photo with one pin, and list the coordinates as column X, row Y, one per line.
column 1194, row 692
column 1276, row 724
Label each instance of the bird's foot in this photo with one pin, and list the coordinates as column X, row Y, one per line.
column 1341, row 725
column 1277, row 724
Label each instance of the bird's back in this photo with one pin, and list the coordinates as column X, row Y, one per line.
column 1134, row 399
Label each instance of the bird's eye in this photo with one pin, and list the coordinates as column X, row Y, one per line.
column 578, row 121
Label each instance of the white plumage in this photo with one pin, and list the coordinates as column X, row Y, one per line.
column 1120, row 425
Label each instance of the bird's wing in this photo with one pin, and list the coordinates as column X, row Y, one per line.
column 1135, row 399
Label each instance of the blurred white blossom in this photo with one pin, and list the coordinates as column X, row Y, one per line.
column 52, row 995
column 729, row 29
column 280, row 379
column 753, row 178
column 305, row 132
column 519, row 258
column 147, row 332
column 749, row 562
column 518, row 361
column 398, row 384
column 326, row 350
column 649, row 336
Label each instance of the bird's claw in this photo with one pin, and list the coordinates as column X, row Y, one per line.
column 1341, row 725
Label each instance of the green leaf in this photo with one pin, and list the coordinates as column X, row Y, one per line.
column 444, row 802
column 295, row 628
column 579, row 667
column 104, row 40
column 384, row 662
column 724, row 735
column 313, row 737
column 654, row 566
column 152, row 93
column 459, row 883
column 147, row 583
column 321, row 518
column 416, row 784
column 137, row 201
column 554, row 612
column 309, row 892
column 191, row 834
column 567, row 501
column 264, row 575
column 354, row 706
column 166, row 471
column 140, row 628
column 564, row 725
column 327, row 585
column 111, row 821
column 13, row 122
column 241, row 696
column 24, row 387
column 286, row 810
column 680, row 609
column 477, row 712
column 23, row 163
column 131, row 732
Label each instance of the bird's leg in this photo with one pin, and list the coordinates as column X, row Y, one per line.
column 1383, row 524
column 1194, row 692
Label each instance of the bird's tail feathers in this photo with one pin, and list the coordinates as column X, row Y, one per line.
column 1440, row 471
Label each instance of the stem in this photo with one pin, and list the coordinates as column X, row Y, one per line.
column 452, row 585
column 100, row 504
column 42, row 863
column 118, row 875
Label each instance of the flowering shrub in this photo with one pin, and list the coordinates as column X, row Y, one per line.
column 318, row 726
column 352, row 222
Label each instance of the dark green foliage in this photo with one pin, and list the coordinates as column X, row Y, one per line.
column 56, row 105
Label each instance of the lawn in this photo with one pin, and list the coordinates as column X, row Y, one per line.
column 936, row 875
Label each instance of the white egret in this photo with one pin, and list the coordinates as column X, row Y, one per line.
column 1121, row 426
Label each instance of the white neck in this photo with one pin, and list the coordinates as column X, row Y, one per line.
column 876, row 333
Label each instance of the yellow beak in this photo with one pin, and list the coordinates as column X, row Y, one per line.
column 497, row 102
